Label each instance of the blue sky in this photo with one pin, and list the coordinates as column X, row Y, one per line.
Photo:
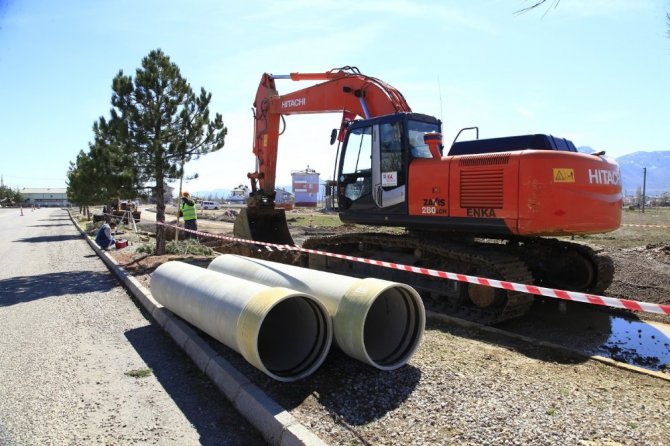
column 593, row 71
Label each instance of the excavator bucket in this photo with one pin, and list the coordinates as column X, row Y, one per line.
column 263, row 225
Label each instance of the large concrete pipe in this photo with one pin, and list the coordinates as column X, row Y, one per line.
column 282, row 332
column 378, row 322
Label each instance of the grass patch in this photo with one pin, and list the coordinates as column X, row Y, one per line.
column 631, row 236
column 140, row 373
column 315, row 219
column 180, row 247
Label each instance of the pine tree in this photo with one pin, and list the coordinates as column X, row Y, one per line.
column 157, row 125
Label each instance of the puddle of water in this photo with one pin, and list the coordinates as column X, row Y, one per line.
column 594, row 331
column 646, row 344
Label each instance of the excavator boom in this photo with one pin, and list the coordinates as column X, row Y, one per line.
column 344, row 90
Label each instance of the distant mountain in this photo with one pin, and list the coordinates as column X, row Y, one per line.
column 212, row 194
column 585, row 149
column 632, row 171
column 658, row 172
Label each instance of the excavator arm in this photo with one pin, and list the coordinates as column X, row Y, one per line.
column 343, row 90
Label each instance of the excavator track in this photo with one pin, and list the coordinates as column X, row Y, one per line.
column 565, row 265
column 541, row 261
column 469, row 301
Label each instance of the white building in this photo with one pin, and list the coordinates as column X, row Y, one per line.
column 305, row 187
column 45, row 197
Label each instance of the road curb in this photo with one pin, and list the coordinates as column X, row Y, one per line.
column 275, row 423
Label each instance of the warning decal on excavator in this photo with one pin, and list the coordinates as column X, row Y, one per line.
column 389, row 179
column 564, row 175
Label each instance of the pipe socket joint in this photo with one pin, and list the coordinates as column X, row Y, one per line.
column 380, row 323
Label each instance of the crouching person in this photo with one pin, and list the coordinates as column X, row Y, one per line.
column 104, row 237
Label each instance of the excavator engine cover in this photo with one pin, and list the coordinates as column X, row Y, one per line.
column 263, row 225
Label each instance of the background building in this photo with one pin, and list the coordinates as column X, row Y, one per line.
column 45, row 197
column 238, row 195
column 284, row 199
column 305, row 187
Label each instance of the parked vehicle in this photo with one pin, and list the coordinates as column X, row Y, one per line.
column 206, row 205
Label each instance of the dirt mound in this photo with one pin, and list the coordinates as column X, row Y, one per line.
column 642, row 273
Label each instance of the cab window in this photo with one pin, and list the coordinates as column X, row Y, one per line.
column 416, row 130
column 356, row 170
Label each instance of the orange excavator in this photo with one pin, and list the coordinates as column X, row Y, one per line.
column 487, row 207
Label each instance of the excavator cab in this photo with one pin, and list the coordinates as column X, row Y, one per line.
column 374, row 160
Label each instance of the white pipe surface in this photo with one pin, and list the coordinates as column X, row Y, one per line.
column 282, row 332
column 378, row 322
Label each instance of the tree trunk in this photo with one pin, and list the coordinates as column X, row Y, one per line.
column 160, row 216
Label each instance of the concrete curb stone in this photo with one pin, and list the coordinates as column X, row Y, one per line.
column 276, row 424
column 160, row 315
column 226, row 377
column 198, row 350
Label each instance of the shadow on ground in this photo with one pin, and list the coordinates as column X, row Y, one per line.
column 341, row 385
column 28, row 288
column 50, row 238
column 215, row 419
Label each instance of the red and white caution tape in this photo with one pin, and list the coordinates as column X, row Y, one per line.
column 646, row 226
column 510, row 286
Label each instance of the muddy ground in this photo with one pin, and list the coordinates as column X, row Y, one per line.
column 641, row 273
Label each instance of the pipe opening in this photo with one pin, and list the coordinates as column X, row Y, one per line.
column 294, row 337
column 393, row 327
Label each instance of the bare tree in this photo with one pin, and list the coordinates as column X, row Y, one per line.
column 554, row 4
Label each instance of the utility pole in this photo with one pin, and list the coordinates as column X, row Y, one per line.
column 644, row 187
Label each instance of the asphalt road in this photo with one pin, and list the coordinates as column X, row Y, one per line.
column 74, row 347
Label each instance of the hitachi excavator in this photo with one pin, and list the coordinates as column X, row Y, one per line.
column 485, row 208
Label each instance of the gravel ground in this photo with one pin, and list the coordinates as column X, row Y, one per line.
column 472, row 388
column 74, row 347
column 463, row 387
